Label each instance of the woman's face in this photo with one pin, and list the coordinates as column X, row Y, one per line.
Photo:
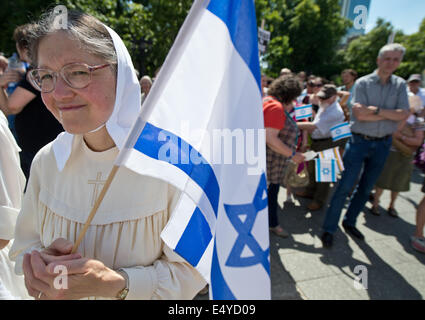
column 78, row 110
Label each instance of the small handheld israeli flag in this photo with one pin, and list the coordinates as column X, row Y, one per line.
column 341, row 131
column 303, row 112
column 333, row 153
column 325, row 170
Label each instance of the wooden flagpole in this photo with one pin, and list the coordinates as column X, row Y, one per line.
column 95, row 207
column 168, row 66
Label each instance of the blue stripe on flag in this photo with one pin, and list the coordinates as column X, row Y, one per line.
column 239, row 17
column 220, row 289
column 195, row 238
column 304, row 117
column 202, row 173
column 318, row 170
column 304, row 107
column 340, row 125
column 342, row 136
column 333, row 170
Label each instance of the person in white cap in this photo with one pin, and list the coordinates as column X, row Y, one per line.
column 88, row 82
column 414, row 84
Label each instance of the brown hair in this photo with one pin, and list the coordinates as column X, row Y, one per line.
column 350, row 71
column 285, row 88
column 22, row 35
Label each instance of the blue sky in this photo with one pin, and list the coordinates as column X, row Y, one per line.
column 405, row 15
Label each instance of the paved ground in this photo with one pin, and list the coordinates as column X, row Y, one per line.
column 302, row 269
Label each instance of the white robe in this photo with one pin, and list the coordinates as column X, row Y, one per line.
column 12, row 184
column 125, row 233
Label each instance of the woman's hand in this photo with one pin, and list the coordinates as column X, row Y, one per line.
column 298, row 158
column 9, row 76
column 59, row 250
column 70, row 279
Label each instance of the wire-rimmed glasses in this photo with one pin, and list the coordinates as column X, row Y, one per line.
column 76, row 75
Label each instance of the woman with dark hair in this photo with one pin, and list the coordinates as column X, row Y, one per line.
column 87, row 81
column 282, row 136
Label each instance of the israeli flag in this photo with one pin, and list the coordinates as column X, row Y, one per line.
column 333, row 153
column 325, row 170
column 303, row 112
column 209, row 86
column 341, row 131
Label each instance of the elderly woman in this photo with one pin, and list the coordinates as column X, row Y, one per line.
column 145, row 85
column 282, row 136
column 87, row 81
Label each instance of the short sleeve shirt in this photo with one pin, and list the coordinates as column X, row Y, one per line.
column 274, row 115
column 369, row 91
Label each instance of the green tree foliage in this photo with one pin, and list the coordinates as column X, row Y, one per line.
column 14, row 13
column 362, row 52
column 304, row 34
column 414, row 60
column 148, row 28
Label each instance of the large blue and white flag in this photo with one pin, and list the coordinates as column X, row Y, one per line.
column 201, row 129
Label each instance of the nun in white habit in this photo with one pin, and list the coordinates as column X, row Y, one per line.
column 12, row 183
column 88, row 82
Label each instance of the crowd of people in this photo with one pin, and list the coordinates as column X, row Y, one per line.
column 385, row 114
column 67, row 114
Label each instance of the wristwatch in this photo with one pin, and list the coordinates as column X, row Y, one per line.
column 377, row 111
column 124, row 292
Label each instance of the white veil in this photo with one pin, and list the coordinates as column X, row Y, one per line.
column 126, row 108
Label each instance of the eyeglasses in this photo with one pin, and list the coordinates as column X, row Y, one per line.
column 76, row 75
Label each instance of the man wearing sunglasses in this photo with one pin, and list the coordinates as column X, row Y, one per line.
column 379, row 103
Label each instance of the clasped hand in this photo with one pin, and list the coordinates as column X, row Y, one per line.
column 56, row 273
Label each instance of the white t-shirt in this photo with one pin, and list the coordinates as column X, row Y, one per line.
column 420, row 94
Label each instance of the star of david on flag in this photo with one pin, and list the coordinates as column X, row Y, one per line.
column 243, row 217
column 341, row 131
column 303, row 112
column 325, row 170
column 211, row 80
column 333, row 153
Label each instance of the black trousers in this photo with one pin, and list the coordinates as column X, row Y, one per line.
column 272, row 192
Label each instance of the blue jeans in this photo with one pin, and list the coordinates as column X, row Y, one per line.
column 360, row 153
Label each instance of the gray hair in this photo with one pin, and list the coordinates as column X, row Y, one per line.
column 89, row 31
column 391, row 48
column 146, row 78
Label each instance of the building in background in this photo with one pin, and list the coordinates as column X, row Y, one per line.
column 357, row 11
